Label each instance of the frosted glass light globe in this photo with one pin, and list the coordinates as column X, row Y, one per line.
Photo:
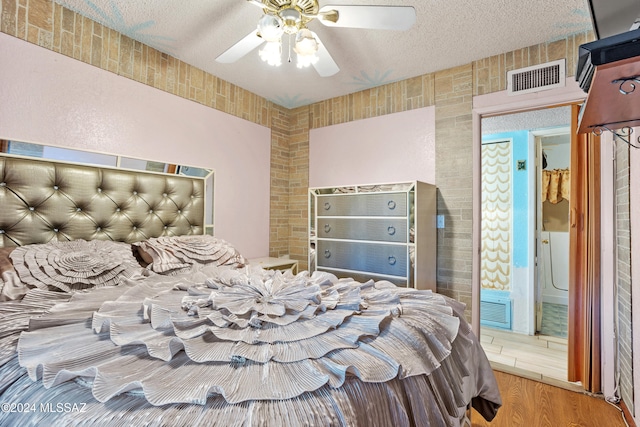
column 270, row 28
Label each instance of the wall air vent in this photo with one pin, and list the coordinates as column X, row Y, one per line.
column 536, row 78
column 495, row 309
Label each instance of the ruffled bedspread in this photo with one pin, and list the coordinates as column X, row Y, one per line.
column 241, row 347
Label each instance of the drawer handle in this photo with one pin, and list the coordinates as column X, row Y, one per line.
column 327, row 228
column 391, row 230
column 327, row 206
column 327, row 253
column 392, row 260
column 391, row 204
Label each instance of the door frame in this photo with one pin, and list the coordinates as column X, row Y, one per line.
column 499, row 103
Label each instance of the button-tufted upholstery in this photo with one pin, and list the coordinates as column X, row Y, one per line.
column 42, row 201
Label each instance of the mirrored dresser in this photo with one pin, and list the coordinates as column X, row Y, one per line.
column 379, row 232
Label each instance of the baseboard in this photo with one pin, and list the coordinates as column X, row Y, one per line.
column 627, row 414
column 575, row 387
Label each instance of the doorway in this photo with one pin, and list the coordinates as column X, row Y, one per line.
column 524, row 248
column 500, row 103
column 553, row 176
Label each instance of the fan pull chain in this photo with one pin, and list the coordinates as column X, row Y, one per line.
column 290, row 35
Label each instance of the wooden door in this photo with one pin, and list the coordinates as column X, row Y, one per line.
column 584, row 259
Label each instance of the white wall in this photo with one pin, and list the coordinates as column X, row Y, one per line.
column 396, row 147
column 48, row 98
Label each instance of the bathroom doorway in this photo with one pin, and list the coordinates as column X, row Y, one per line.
column 524, row 260
column 553, row 151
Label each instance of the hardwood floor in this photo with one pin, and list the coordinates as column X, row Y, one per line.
column 530, row 403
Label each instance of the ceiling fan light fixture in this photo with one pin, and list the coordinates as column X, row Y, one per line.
column 292, row 20
column 292, row 16
column 270, row 28
column 306, row 47
column 303, row 61
column 271, row 53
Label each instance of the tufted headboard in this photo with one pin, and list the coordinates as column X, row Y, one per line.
column 42, row 200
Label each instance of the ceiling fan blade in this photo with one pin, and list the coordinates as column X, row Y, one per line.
column 240, row 49
column 325, row 66
column 372, row 17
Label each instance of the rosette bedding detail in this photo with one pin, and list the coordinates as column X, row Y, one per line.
column 171, row 255
column 74, row 265
column 251, row 346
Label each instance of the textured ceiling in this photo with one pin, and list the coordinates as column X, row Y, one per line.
column 546, row 118
column 447, row 33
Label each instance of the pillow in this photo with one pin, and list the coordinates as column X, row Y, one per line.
column 11, row 288
column 75, row 265
column 5, row 261
column 175, row 254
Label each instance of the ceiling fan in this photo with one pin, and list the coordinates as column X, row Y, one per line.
column 290, row 18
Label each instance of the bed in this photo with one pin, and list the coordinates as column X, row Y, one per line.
column 116, row 309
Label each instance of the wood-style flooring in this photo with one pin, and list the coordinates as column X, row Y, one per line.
column 531, row 403
column 538, row 357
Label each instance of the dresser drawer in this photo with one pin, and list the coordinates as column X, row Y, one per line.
column 370, row 257
column 364, row 277
column 377, row 229
column 370, row 204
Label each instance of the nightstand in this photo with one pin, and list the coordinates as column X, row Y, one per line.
column 271, row 263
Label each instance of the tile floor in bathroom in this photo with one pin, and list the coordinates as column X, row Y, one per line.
column 554, row 320
column 541, row 357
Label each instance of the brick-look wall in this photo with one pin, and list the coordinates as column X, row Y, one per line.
column 490, row 74
column 624, row 302
column 279, row 206
column 405, row 95
column 454, row 179
column 299, row 184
